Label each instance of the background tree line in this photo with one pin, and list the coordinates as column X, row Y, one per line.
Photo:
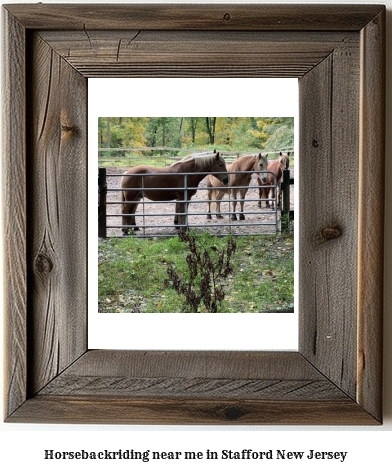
column 225, row 133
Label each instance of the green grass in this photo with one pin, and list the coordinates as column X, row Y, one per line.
column 159, row 161
column 133, row 276
column 135, row 160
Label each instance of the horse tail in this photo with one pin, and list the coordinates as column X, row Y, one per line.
column 122, row 199
column 122, row 194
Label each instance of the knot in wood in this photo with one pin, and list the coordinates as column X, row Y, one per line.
column 227, row 16
column 232, row 412
column 43, row 264
column 328, row 233
column 315, row 143
column 68, row 128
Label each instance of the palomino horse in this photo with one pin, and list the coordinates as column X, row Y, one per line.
column 275, row 167
column 254, row 163
column 165, row 184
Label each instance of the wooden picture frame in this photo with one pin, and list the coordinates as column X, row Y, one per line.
column 338, row 54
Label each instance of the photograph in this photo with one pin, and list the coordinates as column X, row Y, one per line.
column 241, row 171
column 196, row 214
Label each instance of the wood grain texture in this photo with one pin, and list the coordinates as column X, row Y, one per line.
column 118, row 410
column 371, row 216
column 129, row 53
column 328, row 267
column 188, row 387
column 14, row 209
column 193, row 387
column 206, row 374
column 193, row 17
column 57, row 215
column 208, row 364
column 335, row 378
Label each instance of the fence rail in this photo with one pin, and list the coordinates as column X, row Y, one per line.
column 186, row 150
column 267, row 219
column 164, row 154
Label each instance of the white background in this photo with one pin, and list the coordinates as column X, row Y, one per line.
column 185, row 98
column 22, row 446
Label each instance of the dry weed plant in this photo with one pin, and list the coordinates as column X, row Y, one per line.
column 207, row 274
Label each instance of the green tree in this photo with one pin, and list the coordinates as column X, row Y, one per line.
column 275, row 133
column 118, row 132
column 210, row 127
column 229, row 133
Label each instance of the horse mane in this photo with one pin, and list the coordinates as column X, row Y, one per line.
column 284, row 158
column 254, row 157
column 237, row 162
column 200, row 159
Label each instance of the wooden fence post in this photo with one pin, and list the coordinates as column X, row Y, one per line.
column 286, row 192
column 285, row 216
column 102, row 191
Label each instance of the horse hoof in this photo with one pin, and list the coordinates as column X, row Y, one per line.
column 259, row 205
column 209, row 216
column 219, row 216
column 242, row 217
column 233, row 217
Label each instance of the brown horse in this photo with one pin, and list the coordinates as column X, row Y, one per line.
column 165, row 184
column 256, row 163
column 275, row 167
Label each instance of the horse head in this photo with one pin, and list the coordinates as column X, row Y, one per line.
column 284, row 160
column 261, row 162
column 262, row 165
column 218, row 166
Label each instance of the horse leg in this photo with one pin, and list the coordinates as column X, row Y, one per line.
column 218, row 198
column 279, row 194
column 259, row 183
column 130, row 210
column 265, row 194
column 180, row 218
column 176, row 214
column 242, row 202
column 233, row 216
column 210, row 195
column 273, row 194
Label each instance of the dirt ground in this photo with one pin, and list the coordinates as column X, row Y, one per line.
column 159, row 216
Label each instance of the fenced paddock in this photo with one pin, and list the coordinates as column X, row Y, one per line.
column 155, row 218
column 112, row 157
column 164, row 156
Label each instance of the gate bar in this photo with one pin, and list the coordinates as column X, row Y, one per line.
column 102, row 191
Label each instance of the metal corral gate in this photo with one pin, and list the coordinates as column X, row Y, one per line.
column 160, row 223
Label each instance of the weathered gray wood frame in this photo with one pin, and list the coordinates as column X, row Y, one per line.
column 337, row 52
